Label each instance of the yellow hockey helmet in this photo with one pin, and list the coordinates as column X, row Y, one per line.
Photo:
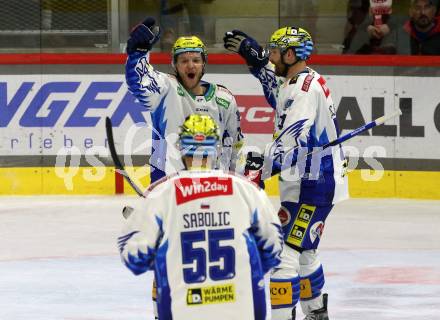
column 292, row 37
column 199, row 135
column 189, row 44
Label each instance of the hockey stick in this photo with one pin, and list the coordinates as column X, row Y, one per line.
column 359, row 130
column 119, row 167
column 277, row 166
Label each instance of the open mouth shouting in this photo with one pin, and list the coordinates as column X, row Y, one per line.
column 190, row 80
column 189, row 67
column 191, row 75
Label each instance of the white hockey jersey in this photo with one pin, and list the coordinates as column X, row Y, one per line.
column 209, row 237
column 305, row 121
column 170, row 104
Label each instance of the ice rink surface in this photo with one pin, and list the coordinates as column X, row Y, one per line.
column 59, row 260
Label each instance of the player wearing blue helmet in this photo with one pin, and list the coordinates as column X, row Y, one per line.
column 305, row 121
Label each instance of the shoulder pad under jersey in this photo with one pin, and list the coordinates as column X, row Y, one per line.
column 171, row 76
column 223, row 88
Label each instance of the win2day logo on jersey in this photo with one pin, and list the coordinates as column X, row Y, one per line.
column 188, row 189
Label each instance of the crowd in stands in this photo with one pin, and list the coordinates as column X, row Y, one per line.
column 419, row 34
column 410, row 27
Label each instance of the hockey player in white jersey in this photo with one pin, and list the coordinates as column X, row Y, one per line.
column 305, row 120
column 171, row 98
column 209, row 236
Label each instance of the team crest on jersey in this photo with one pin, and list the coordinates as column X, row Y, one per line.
column 188, row 189
column 316, row 230
column 208, row 295
column 284, row 216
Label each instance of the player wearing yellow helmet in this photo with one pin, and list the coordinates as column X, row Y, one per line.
column 209, row 236
column 296, row 39
column 305, row 121
column 189, row 44
column 171, row 98
column 189, row 58
column 199, row 141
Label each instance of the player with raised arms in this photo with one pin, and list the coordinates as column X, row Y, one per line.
column 305, row 121
column 171, row 98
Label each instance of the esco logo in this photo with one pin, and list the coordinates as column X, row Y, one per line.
column 281, row 291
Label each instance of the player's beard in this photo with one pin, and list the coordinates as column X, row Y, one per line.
column 423, row 22
column 281, row 69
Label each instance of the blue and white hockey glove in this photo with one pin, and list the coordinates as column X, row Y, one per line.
column 247, row 47
column 143, row 36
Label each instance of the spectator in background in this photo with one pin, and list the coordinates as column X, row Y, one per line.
column 304, row 13
column 423, row 28
column 171, row 11
column 363, row 35
column 357, row 12
column 46, row 14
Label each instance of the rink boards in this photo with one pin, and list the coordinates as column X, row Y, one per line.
column 45, row 181
column 52, row 137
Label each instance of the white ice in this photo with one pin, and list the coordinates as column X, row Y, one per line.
column 59, row 260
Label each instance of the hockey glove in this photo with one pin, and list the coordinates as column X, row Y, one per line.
column 143, row 36
column 254, row 167
column 247, row 47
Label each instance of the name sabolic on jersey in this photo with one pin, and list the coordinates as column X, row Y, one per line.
column 209, row 237
column 305, row 121
column 170, row 104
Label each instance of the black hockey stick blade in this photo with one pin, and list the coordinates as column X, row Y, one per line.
column 118, row 164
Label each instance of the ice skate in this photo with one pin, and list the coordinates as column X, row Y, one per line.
column 319, row 314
